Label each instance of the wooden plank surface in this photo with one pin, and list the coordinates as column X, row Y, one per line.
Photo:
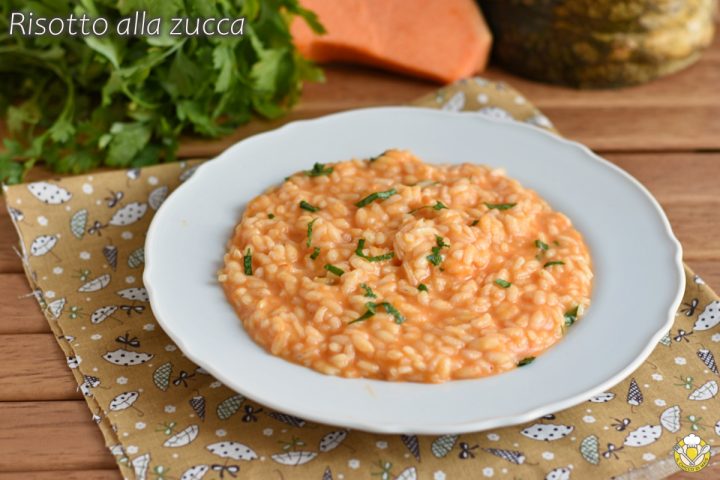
column 39, row 370
column 79, row 458
column 110, row 474
column 674, row 113
column 684, row 183
column 50, row 436
column 657, row 132
column 19, row 312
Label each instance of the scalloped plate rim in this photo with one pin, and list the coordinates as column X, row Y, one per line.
column 470, row 424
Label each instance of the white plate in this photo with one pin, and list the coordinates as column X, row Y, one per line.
column 638, row 271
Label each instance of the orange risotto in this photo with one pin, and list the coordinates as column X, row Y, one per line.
column 394, row 269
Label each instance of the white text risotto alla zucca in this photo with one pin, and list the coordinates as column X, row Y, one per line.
column 391, row 268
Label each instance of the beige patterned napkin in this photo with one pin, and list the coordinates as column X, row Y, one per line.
column 164, row 418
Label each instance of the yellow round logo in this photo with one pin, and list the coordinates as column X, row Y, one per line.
column 692, row 454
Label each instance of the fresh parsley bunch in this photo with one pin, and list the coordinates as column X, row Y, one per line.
column 76, row 103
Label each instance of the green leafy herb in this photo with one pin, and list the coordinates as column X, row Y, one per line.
column 571, row 316
column 474, row 222
column 502, row 283
column 271, row 216
column 318, row 170
column 368, row 291
column 500, row 206
column 554, row 262
column 309, row 232
column 372, row 159
column 306, row 206
column 247, row 262
column 556, row 243
column 372, row 310
column 394, row 312
column 80, row 102
column 526, row 361
column 316, row 253
column 435, row 257
column 333, row 269
column 541, row 245
column 422, row 287
column 376, row 196
column 440, row 242
column 438, row 206
column 368, row 313
column 377, row 258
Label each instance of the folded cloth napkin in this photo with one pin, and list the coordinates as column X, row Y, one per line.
column 163, row 417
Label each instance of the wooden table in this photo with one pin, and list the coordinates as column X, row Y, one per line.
column 666, row 134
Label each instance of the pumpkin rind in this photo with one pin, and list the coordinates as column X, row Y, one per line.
column 599, row 43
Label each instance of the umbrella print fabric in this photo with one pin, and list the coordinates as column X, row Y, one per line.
column 163, row 417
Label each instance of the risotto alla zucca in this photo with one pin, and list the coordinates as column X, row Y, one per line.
column 390, row 268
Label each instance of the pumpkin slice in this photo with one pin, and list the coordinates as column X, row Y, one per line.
column 442, row 40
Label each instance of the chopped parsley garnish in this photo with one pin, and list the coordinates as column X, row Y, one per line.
column 315, row 253
column 556, row 243
column 372, row 309
column 571, row 316
column 247, row 262
column 271, row 216
column 333, row 269
column 377, row 258
column 554, row 262
column 368, row 313
column 500, row 206
column 541, row 245
column 372, row 159
column 309, row 232
column 526, row 361
column 306, row 206
column 376, row 196
column 474, row 222
column 318, row 170
column 394, row 312
column 422, row 287
column 435, row 258
column 368, row 291
column 502, row 283
column 438, row 206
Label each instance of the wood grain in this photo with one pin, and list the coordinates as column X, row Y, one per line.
column 45, row 427
column 686, row 178
column 50, row 436
column 697, row 226
column 19, row 312
column 52, row 424
column 673, row 113
column 9, row 260
column 708, row 271
column 38, row 366
column 38, row 372
column 684, row 183
column 113, row 474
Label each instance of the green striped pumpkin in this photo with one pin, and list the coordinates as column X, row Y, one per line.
column 598, row 43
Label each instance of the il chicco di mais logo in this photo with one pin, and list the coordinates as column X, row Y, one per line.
column 691, row 453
